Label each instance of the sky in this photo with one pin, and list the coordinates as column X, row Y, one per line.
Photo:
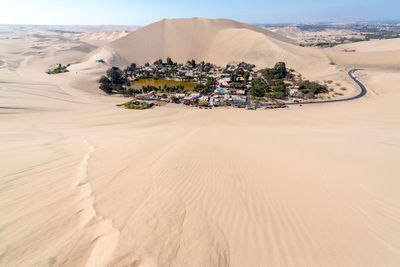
column 124, row 12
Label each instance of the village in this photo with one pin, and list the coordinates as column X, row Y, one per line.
column 206, row 85
column 214, row 85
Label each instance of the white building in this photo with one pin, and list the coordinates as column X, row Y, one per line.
column 223, row 82
column 294, row 92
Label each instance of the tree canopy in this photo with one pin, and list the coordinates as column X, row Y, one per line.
column 275, row 73
column 116, row 76
column 169, row 61
column 105, row 84
column 258, row 88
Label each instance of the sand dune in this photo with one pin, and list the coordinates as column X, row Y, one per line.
column 376, row 54
column 224, row 41
column 218, row 41
column 101, row 38
column 388, row 60
column 290, row 32
column 372, row 46
column 86, row 183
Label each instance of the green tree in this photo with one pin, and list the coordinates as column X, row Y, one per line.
column 132, row 67
column 246, row 76
column 130, row 70
column 158, row 62
column 280, row 69
column 276, row 73
column 233, row 76
column 198, row 88
column 258, row 88
column 256, row 91
column 116, row 76
column 105, row 84
column 211, row 84
column 169, row 61
column 202, row 64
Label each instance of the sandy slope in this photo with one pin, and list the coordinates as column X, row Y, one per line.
column 218, row 41
column 85, row 183
column 101, row 38
column 291, row 32
column 225, row 41
column 372, row 46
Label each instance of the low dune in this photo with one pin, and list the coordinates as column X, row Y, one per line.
column 375, row 54
column 388, row 60
column 372, row 46
column 84, row 182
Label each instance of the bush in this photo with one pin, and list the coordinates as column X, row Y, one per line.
column 312, row 87
column 278, row 94
column 134, row 104
column 59, row 69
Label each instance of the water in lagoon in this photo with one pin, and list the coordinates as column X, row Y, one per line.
column 161, row 82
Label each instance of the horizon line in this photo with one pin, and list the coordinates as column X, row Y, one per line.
column 327, row 21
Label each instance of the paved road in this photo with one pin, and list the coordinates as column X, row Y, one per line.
column 352, row 76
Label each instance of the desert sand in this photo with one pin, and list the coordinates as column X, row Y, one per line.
column 86, row 183
column 372, row 46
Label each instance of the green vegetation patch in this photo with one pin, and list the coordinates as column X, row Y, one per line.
column 59, row 69
column 136, row 104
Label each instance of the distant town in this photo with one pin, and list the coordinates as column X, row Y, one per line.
column 206, row 85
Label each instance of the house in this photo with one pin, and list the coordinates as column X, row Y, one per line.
column 214, row 101
column 223, row 82
column 187, row 100
column 180, row 95
column 203, row 98
column 239, row 92
column 194, row 96
column 295, row 92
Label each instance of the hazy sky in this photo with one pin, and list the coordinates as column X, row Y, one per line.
column 124, row 12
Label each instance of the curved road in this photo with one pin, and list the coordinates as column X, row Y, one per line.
column 353, row 77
